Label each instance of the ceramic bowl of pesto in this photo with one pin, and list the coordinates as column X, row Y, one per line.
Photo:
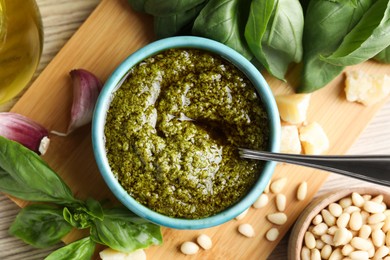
column 167, row 125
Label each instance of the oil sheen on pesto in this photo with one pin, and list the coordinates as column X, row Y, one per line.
column 173, row 128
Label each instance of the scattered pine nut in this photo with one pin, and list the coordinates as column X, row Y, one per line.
column 272, row 234
column 278, row 218
column 302, row 191
column 278, row 185
column 281, row 202
column 246, row 230
column 204, row 241
column 261, row 202
column 189, row 248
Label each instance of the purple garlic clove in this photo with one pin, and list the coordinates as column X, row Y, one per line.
column 25, row 131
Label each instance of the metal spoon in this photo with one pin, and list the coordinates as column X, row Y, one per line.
column 372, row 168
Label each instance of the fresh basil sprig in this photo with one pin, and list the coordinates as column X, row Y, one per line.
column 23, row 174
column 370, row 36
column 274, row 34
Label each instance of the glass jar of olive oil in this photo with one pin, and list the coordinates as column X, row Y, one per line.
column 21, row 41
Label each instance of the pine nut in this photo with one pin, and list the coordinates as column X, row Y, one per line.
column 320, row 229
column 327, row 239
column 335, row 209
column 360, row 243
column 343, row 220
column 356, row 221
column 317, row 219
column 386, row 225
column 332, row 230
column 378, row 238
column 377, row 226
column 373, row 207
column 336, row 255
column 365, row 232
column 246, row 230
column 381, row 252
column 204, row 241
column 361, row 255
column 352, row 209
column 272, row 234
column 357, row 199
column 345, row 202
column 310, row 241
column 365, row 216
column 261, row 202
column 315, row 254
column 305, row 253
column 242, row 215
column 376, row 218
column 189, row 248
column 319, row 244
column 347, row 249
column 278, row 218
column 278, row 185
column 387, row 239
column 340, row 237
column 281, row 202
column 329, row 219
column 326, row 251
column 366, row 197
column 302, row 191
column 378, row 199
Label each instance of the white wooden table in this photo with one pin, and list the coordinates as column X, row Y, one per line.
column 61, row 18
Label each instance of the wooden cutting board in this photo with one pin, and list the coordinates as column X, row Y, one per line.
column 110, row 34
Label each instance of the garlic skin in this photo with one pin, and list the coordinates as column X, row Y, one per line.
column 86, row 89
column 25, row 131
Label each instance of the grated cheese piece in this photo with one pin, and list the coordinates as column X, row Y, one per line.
column 314, row 139
column 293, row 108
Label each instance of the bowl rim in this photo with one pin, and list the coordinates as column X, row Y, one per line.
column 115, row 80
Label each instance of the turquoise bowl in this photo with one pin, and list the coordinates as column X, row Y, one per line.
column 114, row 82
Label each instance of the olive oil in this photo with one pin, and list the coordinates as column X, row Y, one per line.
column 21, row 41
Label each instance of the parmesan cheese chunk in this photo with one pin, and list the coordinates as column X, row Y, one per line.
column 314, row 139
column 290, row 142
column 366, row 88
column 293, row 108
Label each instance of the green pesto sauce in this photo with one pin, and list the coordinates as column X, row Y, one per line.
column 173, row 129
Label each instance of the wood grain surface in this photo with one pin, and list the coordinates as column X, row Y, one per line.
column 48, row 101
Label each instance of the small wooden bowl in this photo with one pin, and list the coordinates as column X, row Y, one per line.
column 304, row 220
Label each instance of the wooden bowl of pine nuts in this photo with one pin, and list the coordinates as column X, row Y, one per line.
column 344, row 224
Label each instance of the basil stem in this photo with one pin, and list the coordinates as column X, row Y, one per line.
column 224, row 21
column 82, row 249
column 370, row 36
column 23, row 174
column 40, row 225
column 274, row 34
column 326, row 24
column 121, row 230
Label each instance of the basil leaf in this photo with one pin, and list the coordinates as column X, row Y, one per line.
column 25, row 175
column 82, row 249
column 274, row 34
column 121, row 230
column 224, row 21
column 326, row 24
column 40, row 225
column 166, row 26
column 383, row 56
column 366, row 39
column 169, row 7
